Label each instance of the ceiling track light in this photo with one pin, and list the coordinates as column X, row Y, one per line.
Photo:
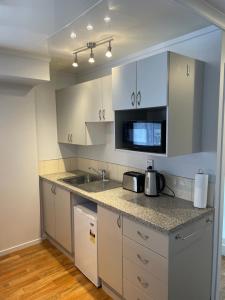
column 75, row 62
column 109, row 50
column 91, row 46
column 91, row 59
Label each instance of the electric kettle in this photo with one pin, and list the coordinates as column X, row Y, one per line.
column 154, row 183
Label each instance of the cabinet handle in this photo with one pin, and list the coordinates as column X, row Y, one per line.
column 139, row 98
column 68, row 138
column 143, row 260
column 71, row 138
column 133, row 99
column 183, row 238
column 188, row 70
column 119, row 222
column 143, row 283
column 100, row 114
column 103, row 114
column 53, row 188
column 143, row 236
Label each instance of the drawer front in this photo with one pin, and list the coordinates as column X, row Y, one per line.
column 152, row 262
column 156, row 241
column 144, row 281
column 131, row 292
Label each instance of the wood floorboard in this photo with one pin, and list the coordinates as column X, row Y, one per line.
column 42, row 272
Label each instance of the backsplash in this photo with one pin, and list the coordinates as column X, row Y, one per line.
column 183, row 187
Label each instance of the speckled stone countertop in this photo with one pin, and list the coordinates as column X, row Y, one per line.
column 163, row 213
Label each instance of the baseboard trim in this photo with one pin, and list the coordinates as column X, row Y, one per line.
column 20, row 246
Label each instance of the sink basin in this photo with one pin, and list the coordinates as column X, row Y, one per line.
column 77, row 180
column 91, row 183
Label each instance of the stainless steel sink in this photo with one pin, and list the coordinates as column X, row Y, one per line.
column 77, row 180
column 91, row 183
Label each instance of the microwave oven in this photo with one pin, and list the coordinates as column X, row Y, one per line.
column 144, row 135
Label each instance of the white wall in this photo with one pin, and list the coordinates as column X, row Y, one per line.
column 206, row 47
column 19, row 183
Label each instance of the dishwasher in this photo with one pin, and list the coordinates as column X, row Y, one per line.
column 85, row 240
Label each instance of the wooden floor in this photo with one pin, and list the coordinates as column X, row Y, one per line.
column 43, row 272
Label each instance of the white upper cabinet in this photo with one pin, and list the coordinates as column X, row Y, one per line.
column 152, row 81
column 64, row 102
column 82, row 110
column 98, row 97
column 92, row 95
column 124, row 86
column 107, row 111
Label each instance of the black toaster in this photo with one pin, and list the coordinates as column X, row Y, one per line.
column 134, row 181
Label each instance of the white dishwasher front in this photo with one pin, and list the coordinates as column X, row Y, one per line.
column 85, row 239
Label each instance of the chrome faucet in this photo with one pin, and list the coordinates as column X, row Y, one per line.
column 100, row 172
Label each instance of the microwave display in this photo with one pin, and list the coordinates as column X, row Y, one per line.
column 145, row 136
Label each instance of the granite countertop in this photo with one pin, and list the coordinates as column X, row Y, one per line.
column 163, row 213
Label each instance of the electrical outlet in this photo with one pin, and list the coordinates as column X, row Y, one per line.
column 150, row 163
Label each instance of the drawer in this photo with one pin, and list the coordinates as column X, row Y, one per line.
column 131, row 292
column 144, row 281
column 154, row 240
column 147, row 259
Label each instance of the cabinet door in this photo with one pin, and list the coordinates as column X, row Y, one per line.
column 124, row 87
column 184, row 107
column 106, row 88
column 79, row 108
column 152, row 81
column 64, row 104
column 92, row 97
column 48, row 198
column 63, row 218
column 110, row 248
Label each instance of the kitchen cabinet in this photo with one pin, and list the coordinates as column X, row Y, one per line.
column 110, row 248
column 63, row 218
column 82, row 110
column 107, row 111
column 150, row 82
column 72, row 106
column 167, row 267
column 57, row 214
column 48, row 200
column 98, row 95
column 172, row 82
column 124, row 86
column 64, row 102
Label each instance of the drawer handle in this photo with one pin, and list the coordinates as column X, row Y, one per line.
column 143, row 283
column 183, row 238
column 143, row 260
column 143, row 236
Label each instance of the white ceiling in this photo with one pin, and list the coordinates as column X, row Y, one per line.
column 135, row 25
column 44, row 26
column 219, row 4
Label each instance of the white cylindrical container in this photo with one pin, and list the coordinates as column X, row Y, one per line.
column 201, row 190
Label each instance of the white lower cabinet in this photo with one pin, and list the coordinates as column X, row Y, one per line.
column 57, row 214
column 158, row 266
column 139, row 263
column 110, row 248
